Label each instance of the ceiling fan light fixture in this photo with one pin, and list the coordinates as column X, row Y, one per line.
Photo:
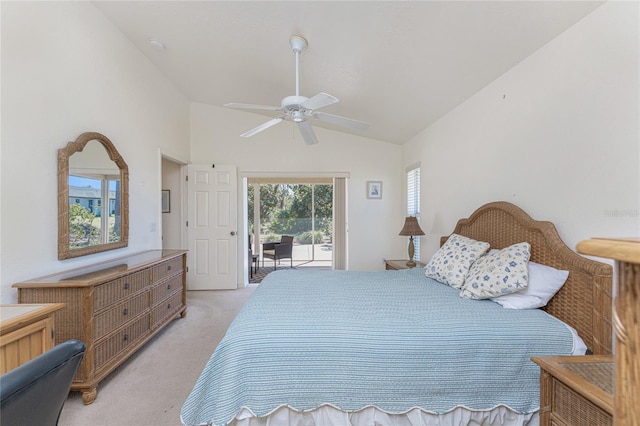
column 297, row 116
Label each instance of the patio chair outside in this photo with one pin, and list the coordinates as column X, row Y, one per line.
column 277, row 251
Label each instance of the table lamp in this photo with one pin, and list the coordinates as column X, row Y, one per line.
column 411, row 227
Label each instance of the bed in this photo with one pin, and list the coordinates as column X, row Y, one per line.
column 399, row 348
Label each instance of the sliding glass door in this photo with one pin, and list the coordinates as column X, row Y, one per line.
column 301, row 210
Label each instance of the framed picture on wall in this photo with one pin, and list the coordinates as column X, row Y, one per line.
column 166, row 201
column 374, row 189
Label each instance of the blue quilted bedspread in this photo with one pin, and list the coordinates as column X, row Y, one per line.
column 390, row 339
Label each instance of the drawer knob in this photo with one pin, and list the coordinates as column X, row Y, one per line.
column 168, row 286
column 169, row 306
column 126, row 337
column 125, row 312
column 126, row 286
column 169, row 268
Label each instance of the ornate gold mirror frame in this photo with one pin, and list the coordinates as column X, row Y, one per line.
column 121, row 205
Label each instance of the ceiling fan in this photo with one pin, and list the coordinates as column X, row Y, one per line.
column 299, row 108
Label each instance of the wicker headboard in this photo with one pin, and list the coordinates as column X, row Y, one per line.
column 585, row 301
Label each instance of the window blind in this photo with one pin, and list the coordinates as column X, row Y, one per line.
column 413, row 203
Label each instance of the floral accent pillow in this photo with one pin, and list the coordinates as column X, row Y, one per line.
column 544, row 283
column 496, row 274
column 451, row 263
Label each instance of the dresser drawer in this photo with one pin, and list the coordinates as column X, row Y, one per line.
column 113, row 318
column 571, row 408
column 167, row 268
column 165, row 309
column 165, row 289
column 111, row 347
column 112, row 292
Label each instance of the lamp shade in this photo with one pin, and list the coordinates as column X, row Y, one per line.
column 411, row 227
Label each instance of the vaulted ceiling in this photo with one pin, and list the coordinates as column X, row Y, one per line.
column 398, row 65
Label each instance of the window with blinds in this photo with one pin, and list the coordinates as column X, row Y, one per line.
column 413, row 202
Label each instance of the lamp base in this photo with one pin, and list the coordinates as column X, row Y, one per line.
column 411, row 263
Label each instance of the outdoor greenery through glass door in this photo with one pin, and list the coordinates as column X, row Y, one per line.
column 304, row 211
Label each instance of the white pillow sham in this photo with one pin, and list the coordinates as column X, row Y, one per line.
column 498, row 273
column 451, row 263
column 544, row 283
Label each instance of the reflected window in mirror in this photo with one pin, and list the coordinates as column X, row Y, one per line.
column 94, row 213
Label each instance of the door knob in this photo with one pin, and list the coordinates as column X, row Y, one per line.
column 233, row 233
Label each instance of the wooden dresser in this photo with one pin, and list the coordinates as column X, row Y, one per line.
column 626, row 320
column 114, row 307
column 26, row 331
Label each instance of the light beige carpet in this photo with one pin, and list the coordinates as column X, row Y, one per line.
column 150, row 388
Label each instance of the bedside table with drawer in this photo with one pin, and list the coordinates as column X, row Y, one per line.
column 391, row 264
column 576, row 390
column 26, row 331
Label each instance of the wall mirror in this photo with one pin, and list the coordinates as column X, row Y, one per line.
column 93, row 197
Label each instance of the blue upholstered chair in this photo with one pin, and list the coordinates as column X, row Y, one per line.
column 34, row 393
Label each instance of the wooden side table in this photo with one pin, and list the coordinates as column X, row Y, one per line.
column 626, row 321
column 393, row 264
column 26, row 331
column 576, row 390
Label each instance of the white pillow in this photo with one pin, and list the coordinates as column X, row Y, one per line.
column 544, row 282
column 451, row 263
column 498, row 273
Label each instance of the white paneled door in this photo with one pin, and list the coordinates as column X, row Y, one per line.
column 212, row 227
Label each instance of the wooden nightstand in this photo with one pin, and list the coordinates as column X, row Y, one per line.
column 400, row 264
column 576, row 390
column 626, row 252
column 26, row 331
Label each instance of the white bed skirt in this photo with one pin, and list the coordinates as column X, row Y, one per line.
column 328, row 415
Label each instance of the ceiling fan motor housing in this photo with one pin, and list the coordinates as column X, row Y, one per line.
column 293, row 102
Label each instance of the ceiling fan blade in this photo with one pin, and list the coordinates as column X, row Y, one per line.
column 341, row 121
column 307, row 132
column 252, row 106
column 262, row 127
column 320, row 100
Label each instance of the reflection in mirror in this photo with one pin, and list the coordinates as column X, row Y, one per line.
column 93, row 198
column 94, row 195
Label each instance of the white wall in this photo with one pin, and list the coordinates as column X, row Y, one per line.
column 373, row 224
column 66, row 70
column 557, row 135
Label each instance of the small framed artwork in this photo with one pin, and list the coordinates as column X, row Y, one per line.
column 166, row 201
column 374, row 189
